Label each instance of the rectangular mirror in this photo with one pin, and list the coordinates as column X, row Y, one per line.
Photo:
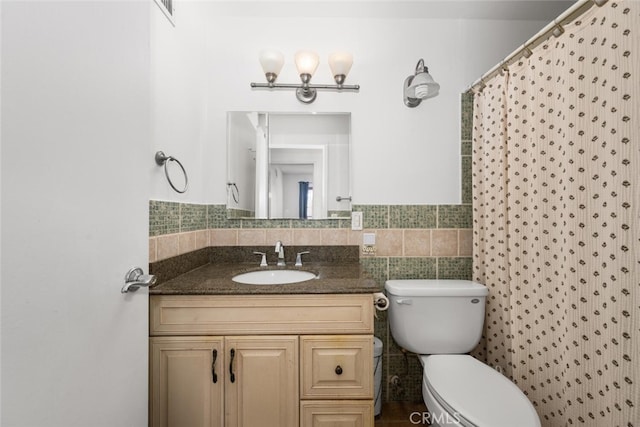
column 288, row 165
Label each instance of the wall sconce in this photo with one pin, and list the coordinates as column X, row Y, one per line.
column 419, row 86
column 306, row 63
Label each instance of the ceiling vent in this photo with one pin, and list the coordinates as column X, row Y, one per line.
column 167, row 8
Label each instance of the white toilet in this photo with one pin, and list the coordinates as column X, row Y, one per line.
column 441, row 320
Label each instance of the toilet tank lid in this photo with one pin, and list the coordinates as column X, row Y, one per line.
column 435, row 287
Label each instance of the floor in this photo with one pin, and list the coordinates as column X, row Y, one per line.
column 401, row 414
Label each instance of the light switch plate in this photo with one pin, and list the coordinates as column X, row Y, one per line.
column 356, row 220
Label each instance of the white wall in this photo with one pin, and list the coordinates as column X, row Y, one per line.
column 179, row 103
column 242, row 161
column 400, row 155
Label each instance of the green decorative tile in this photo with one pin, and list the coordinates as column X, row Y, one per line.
column 374, row 216
column 377, row 268
column 217, row 217
column 239, row 213
column 466, row 148
column 412, row 216
column 412, row 268
column 455, row 216
column 164, row 217
column 409, row 371
column 466, row 115
column 455, row 268
column 339, row 214
column 319, row 223
column 266, row 223
column 193, row 217
column 466, row 179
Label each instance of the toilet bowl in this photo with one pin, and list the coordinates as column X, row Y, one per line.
column 441, row 320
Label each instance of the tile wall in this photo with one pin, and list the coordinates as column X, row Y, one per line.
column 412, row 241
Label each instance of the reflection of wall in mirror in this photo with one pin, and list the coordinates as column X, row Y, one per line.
column 276, row 192
column 242, row 161
column 338, row 173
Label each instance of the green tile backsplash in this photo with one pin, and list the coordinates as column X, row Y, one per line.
column 466, row 116
column 164, row 218
column 217, row 217
column 455, row 216
column 193, row 217
column 455, row 268
column 413, row 216
column 374, row 216
column 465, row 168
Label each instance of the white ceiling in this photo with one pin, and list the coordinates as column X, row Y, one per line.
column 544, row 10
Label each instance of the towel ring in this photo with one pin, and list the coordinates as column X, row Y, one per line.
column 235, row 193
column 162, row 159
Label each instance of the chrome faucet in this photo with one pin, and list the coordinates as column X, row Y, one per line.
column 280, row 252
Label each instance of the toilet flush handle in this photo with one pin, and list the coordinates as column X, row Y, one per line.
column 405, row 301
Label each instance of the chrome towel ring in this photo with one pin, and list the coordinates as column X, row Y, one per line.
column 233, row 189
column 162, row 159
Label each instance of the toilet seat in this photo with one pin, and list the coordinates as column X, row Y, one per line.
column 475, row 393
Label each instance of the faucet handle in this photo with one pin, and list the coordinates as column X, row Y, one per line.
column 299, row 258
column 263, row 261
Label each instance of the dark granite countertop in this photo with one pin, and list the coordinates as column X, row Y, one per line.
column 215, row 279
column 209, row 271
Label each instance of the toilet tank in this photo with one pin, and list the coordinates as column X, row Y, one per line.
column 436, row 316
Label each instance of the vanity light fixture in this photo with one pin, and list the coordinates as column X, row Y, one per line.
column 306, row 63
column 419, row 86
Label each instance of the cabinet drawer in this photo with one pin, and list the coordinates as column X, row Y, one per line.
column 336, row 367
column 330, row 413
column 260, row 314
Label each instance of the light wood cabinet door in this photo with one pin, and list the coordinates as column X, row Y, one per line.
column 261, row 386
column 336, row 413
column 336, row 367
column 184, row 390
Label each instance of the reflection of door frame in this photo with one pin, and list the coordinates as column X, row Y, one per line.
column 319, row 172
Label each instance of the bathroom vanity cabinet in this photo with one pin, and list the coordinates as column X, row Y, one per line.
column 268, row 360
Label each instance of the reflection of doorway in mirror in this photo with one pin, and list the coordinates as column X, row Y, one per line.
column 305, row 200
column 290, row 164
column 284, row 189
column 310, row 202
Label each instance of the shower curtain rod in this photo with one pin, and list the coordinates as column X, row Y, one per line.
column 554, row 28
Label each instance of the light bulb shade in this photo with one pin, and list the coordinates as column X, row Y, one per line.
column 422, row 86
column 271, row 61
column 306, row 62
column 419, row 86
column 340, row 63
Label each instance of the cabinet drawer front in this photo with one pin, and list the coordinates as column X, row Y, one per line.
column 330, row 413
column 337, row 366
column 260, row 314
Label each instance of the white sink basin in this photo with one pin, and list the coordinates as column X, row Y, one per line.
column 273, row 277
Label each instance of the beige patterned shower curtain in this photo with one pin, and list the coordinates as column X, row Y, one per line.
column 556, row 181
